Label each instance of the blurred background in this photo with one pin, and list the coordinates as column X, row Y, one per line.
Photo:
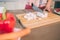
column 15, row 4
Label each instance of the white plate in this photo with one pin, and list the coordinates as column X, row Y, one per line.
column 57, row 12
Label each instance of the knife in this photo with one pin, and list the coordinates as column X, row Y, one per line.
column 19, row 21
column 36, row 8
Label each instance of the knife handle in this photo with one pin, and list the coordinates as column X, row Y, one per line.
column 23, row 27
column 32, row 4
column 18, row 20
column 36, row 8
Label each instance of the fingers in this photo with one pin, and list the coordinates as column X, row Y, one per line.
column 25, row 32
column 28, row 30
column 47, row 9
column 12, row 35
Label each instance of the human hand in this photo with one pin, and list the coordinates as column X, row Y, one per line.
column 48, row 8
column 14, row 35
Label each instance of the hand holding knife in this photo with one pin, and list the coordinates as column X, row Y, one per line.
column 36, row 8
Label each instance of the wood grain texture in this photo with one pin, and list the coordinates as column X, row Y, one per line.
column 52, row 18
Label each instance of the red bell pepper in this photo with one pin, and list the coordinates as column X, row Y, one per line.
column 7, row 22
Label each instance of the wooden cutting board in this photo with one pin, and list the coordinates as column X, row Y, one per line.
column 52, row 18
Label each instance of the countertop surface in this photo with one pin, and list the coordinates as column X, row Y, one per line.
column 49, row 32
column 15, row 12
column 51, row 19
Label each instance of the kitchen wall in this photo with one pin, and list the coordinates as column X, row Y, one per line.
column 14, row 5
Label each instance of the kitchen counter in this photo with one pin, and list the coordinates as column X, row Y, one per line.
column 47, row 31
column 52, row 18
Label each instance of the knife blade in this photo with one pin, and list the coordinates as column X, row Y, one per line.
column 19, row 21
column 36, row 8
